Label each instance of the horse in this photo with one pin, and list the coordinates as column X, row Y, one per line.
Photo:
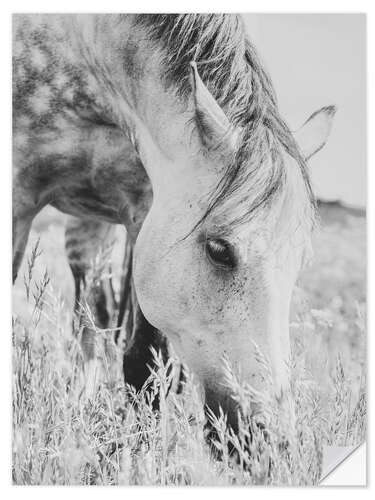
column 169, row 125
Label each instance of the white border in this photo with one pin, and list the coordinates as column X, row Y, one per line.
column 323, row 6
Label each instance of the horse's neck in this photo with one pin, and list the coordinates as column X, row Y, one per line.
column 143, row 107
column 127, row 78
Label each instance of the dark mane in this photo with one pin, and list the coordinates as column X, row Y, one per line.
column 229, row 66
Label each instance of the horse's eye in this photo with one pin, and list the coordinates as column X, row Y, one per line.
column 220, row 253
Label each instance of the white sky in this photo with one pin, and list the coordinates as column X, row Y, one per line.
column 316, row 60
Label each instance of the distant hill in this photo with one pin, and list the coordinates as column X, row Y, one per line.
column 335, row 211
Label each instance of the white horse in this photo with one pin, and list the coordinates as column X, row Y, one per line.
column 169, row 124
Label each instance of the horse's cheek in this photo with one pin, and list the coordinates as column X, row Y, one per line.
column 150, row 276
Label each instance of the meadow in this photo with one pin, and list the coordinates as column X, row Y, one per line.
column 115, row 438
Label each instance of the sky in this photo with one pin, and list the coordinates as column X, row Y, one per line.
column 316, row 60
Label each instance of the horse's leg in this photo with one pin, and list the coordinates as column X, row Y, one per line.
column 21, row 229
column 84, row 240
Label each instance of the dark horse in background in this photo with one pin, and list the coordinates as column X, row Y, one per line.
column 169, row 125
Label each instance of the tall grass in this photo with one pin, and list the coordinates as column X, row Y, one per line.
column 62, row 437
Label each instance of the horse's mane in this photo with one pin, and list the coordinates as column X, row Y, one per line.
column 229, row 66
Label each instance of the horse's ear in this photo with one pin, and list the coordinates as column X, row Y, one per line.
column 215, row 128
column 314, row 133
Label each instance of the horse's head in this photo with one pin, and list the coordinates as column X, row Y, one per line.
column 220, row 250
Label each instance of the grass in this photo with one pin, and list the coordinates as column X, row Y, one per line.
column 61, row 437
